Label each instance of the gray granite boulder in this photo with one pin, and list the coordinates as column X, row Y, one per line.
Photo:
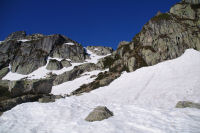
column 99, row 113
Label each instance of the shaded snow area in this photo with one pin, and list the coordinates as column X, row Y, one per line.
column 142, row 102
column 42, row 71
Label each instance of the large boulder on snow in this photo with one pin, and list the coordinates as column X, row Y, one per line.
column 54, row 65
column 38, row 86
column 99, row 113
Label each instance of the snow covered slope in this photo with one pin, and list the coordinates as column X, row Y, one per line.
column 142, row 102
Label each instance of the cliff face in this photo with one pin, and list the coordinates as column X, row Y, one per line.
column 166, row 36
column 27, row 53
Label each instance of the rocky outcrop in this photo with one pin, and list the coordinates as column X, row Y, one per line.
column 49, row 98
column 74, row 73
column 66, row 63
column 100, row 50
column 54, row 65
column 22, row 87
column 17, row 35
column 103, row 79
column 187, row 104
column 99, row 113
column 3, row 72
column 12, row 102
column 26, row 56
column 191, row 1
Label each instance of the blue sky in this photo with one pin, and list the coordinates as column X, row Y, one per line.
column 89, row 22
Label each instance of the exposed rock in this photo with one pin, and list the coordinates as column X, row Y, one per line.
column 103, row 79
column 183, row 11
column 100, row 50
column 74, row 73
column 185, row 104
column 46, row 99
column 27, row 56
column 17, row 35
column 12, row 102
column 22, row 87
column 69, row 50
column 1, row 113
column 192, row 1
column 3, row 72
column 49, row 98
column 66, row 63
column 98, row 114
column 122, row 43
column 8, row 50
column 54, row 65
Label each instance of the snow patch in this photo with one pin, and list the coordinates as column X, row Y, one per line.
column 23, row 40
column 70, row 43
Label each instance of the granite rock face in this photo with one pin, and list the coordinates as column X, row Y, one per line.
column 54, row 65
column 23, row 87
column 32, row 53
column 100, row 50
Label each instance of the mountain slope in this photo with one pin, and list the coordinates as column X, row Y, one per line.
column 142, row 101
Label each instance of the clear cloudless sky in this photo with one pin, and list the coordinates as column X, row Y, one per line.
column 89, row 22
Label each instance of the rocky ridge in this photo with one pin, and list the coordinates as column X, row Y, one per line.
column 166, row 36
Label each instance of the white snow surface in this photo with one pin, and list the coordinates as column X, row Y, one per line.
column 70, row 43
column 42, row 72
column 142, row 102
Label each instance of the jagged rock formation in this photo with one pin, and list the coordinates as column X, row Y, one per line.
column 66, row 63
column 100, row 50
column 166, row 36
column 28, row 54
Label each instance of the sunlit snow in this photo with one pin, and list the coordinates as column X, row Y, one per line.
column 142, row 102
